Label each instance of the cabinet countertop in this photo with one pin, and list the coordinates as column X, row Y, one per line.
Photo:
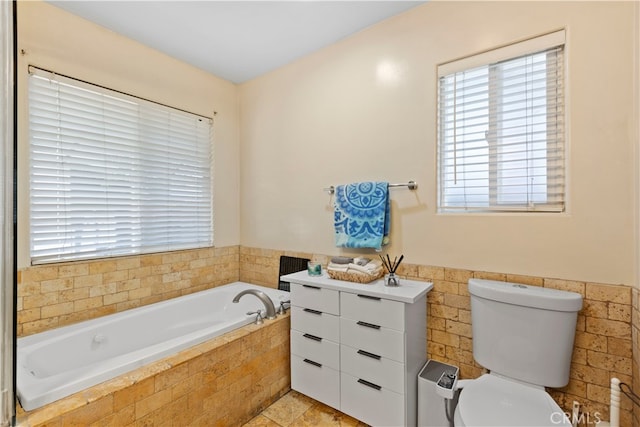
column 409, row 291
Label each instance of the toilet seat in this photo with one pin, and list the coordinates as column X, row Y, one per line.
column 495, row 401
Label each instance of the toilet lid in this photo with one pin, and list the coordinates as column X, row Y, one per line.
column 494, row 401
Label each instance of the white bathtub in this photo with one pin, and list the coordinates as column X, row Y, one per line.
column 54, row 364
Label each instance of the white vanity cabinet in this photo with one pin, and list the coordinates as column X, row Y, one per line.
column 359, row 348
column 315, row 343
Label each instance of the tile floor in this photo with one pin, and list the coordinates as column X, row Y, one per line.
column 297, row 410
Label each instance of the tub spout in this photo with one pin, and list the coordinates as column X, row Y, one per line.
column 268, row 304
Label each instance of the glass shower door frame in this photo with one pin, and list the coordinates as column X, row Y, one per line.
column 7, row 266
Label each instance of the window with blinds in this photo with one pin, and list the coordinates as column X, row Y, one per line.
column 112, row 174
column 501, row 129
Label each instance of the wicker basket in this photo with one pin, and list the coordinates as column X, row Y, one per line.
column 354, row 277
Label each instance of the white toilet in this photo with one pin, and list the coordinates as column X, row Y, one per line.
column 524, row 336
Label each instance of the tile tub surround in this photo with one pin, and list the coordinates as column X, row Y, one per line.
column 54, row 295
column 225, row 381
column 603, row 344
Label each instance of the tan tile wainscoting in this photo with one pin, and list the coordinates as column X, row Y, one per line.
column 606, row 335
column 635, row 339
column 603, row 344
column 55, row 295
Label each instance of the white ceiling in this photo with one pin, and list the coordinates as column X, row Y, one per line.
column 236, row 40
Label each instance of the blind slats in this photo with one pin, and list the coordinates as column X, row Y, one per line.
column 114, row 175
column 501, row 131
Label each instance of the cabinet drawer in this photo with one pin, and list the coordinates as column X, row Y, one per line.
column 319, row 382
column 376, row 407
column 373, row 338
column 323, row 325
column 319, row 349
column 374, row 368
column 375, row 310
column 325, row 300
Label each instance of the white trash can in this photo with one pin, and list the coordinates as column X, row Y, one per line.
column 433, row 409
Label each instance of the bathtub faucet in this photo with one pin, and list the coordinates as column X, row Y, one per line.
column 268, row 304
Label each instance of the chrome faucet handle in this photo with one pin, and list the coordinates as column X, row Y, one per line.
column 259, row 317
column 270, row 311
column 283, row 309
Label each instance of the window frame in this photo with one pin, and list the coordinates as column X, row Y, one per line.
column 489, row 59
column 187, row 141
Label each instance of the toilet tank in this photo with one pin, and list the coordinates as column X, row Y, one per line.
column 524, row 332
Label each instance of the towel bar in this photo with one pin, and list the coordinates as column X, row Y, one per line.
column 411, row 184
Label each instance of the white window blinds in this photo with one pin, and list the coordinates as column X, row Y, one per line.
column 501, row 129
column 111, row 174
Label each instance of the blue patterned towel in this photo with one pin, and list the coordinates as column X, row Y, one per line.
column 361, row 215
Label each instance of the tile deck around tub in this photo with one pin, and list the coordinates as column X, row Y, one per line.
column 297, row 410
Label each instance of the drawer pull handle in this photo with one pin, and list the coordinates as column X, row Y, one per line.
column 368, row 384
column 312, row 337
column 312, row 311
column 311, row 362
column 311, row 287
column 371, row 355
column 369, row 297
column 368, row 325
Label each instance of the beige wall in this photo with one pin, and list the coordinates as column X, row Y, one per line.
column 56, row 40
column 364, row 109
